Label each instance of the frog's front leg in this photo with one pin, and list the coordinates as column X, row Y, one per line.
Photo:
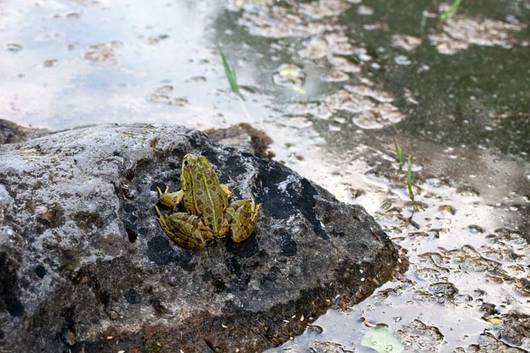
column 226, row 189
column 170, row 199
column 243, row 216
column 185, row 230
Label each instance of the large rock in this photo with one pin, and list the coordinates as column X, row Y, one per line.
column 86, row 268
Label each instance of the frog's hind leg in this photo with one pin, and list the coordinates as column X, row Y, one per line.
column 186, row 230
column 170, row 199
column 243, row 215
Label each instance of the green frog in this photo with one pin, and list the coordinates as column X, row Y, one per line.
column 209, row 213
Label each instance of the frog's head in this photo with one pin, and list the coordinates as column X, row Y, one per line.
column 193, row 162
column 194, row 166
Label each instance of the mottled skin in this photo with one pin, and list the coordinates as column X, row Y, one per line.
column 209, row 212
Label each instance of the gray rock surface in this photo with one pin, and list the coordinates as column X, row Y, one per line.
column 85, row 266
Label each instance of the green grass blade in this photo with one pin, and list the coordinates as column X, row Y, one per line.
column 451, row 10
column 400, row 156
column 230, row 74
column 409, row 180
column 423, row 23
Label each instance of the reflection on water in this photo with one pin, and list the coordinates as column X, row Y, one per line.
column 335, row 84
column 109, row 57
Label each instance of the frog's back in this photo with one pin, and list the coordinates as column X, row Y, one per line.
column 205, row 198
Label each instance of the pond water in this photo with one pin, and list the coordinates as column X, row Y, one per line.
column 336, row 84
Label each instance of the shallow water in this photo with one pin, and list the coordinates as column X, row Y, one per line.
column 335, row 84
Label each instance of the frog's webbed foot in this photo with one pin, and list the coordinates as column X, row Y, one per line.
column 186, row 230
column 243, row 216
column 170, row 199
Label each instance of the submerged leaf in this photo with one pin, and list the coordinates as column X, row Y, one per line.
column 381, row 339
column 494, row 321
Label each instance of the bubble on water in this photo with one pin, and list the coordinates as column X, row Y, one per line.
column 473, row 228
column 364, row 10
column 50, row 62
column 447, row 210
column 344, row 64
column 315, row 48
column 385, row 115
column 405, row 42
column 13, row 47
column 289, row 75
column 362, row 54
column 366, row 91
column 424, row 68
column 335, row 76
column 163, row 95
column 102, row 53
column 467, row 190
column 153, row 40
column 402, row 60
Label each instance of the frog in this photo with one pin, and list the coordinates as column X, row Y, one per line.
column 209, row 211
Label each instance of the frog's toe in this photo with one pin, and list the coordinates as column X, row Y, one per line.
column 160, row 193
column 243, row 218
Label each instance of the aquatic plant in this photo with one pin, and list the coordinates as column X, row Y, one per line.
column 409, row 182
column 231, row 76
column 230, row 73
column 423, row 22
column 451, row 10
column 400, row 155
